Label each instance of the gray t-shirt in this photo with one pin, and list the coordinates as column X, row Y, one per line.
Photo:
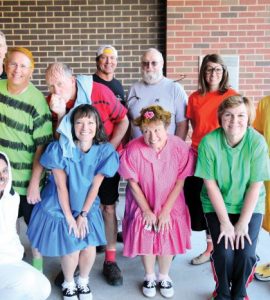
column 166, row 93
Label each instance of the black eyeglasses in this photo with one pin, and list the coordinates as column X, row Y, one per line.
column 148, row 63
column 217, row 70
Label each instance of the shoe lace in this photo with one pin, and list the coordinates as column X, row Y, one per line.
column 70, row 290
column 83, row 288
column 151, row 284
column 165, row 284
column 113, row 267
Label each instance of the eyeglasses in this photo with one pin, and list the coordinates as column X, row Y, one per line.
column 217, row 70
column 148, row 63
column 14, row 65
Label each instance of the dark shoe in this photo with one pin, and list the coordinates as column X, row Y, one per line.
column 69, row 291
column 112, row 273
column 101, row 248
column 120, row 237
column 59, row 279
column 84, row 292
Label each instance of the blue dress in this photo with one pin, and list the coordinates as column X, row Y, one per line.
column 48, row 229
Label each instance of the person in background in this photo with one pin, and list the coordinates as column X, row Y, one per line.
column 3, row 51
column 25, row 129
column 106, row 62
column 156, row 224
column 202, row 114
column 67, row 90
column 68, row 222
column 155, row 89
column 233, row 161
column 262, row 124
column 19, row 280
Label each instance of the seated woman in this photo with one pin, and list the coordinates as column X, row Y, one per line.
column 19, row 280
column 156, row 224
column 233, row 162
column 68, row 221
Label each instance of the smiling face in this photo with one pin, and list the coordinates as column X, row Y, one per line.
column 234, row 121
column 85, row 129
column 19, row 70
column 4, row 175
column 213, row 75
column 151, row 67
column 107, row 63
column 155, row 135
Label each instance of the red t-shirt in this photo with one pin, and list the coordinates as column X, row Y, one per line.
column 202, row 113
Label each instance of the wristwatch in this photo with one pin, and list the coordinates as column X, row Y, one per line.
column 83, row 213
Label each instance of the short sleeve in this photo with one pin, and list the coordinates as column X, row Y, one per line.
column 187, row 165
column 181, row 102
column 109, row 161
column 127, row 167
column 189, row 112
column 205, row 162
column 53, row 158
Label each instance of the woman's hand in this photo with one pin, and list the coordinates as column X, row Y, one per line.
column 227, row 231
column 149, row 218
column 82, row 224
column 72, row 226
column 164, row 221
column 241, row 232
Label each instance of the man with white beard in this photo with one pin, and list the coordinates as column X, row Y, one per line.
column 155, row 89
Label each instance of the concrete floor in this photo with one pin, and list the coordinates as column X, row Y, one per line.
column 190, row 282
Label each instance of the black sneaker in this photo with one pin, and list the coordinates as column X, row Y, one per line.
column 69, row 291
column 84, row 292
column 112, row 273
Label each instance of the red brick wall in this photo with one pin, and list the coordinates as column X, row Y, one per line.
column 238, row 27
column 71, row 31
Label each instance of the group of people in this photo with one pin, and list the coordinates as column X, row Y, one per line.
column 66, row 154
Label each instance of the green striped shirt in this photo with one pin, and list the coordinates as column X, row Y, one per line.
column 234, row 169
column 25, row 123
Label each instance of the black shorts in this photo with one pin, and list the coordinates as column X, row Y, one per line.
column 108, row 191
column 25, row 209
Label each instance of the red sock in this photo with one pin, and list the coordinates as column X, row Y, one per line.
column 110, row 255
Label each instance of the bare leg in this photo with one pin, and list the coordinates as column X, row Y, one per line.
column 149, row 264
column 110, row 221
column 69, row 263
column 164, row 264
column 86, row 260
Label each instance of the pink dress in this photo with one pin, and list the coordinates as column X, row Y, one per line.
column 156, row 174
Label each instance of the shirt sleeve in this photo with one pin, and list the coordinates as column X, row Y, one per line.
column 109, row 162
column 181, row 100
column 52, row 158
column 127, row 167
column 187, row 162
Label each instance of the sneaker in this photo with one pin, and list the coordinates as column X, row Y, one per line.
column 166, row 288
column 69, row 291
column 84, row 292
column 201, row 259
column 262, row 272
column 112, row 273
column 149, row 288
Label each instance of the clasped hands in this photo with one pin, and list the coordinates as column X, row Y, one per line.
column 78, row 226
column 234, row 235
column 160, row 223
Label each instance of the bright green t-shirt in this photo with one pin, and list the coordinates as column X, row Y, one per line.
column 25, row 123
column 233, row 168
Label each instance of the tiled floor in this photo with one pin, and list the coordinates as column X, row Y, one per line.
column 191, row 282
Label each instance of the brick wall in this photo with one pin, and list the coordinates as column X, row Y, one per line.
column 71, row 30
column 238, row 27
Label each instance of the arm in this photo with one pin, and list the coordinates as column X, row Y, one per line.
column 33, row 193
column 226, row 227
column 60, row 178
column 119, row 132
column 82, row 222
column 164, row 220
column 250, row 201
column 182, row 129
column 149, row 218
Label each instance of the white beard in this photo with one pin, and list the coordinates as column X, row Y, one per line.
column 152, row 77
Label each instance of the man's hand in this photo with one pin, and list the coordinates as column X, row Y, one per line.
column 33, row 193
column 58, row 105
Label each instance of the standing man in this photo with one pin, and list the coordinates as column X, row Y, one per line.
column 3, row 51
column 106, row 62
column 66, row 91
column 155, row 89
column 25, row 129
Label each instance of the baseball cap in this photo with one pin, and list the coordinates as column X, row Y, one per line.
column 106, row 49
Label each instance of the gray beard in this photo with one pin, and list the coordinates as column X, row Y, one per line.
column 153, row 77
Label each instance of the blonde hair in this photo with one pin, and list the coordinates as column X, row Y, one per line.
column 23, row 50
column 234, row 101
column 151, row 114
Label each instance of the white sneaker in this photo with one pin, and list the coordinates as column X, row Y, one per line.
column 69, row 291
column 149, row 288
column 166, row 288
